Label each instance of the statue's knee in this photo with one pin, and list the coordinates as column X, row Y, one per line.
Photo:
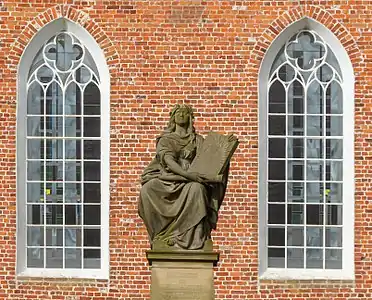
column 146, row 188
column 148, row 185
column 197, row 188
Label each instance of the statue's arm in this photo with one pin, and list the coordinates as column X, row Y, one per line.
column 174, row 166
column 177, row 169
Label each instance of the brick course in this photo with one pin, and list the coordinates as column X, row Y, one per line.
column 206, row 53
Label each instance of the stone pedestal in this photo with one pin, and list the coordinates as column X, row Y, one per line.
column 182, row 275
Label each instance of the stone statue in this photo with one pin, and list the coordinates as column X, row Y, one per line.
column 179, row 207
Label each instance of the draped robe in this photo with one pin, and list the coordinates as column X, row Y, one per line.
column 176, row 211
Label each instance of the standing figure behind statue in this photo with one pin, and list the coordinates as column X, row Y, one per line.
column 179, row 208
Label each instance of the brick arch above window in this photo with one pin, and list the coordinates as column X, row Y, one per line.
column 297, row 14
column 68, row 13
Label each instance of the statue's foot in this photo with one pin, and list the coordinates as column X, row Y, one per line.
column 169, row 244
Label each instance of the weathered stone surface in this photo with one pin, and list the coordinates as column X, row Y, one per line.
column 182, row 275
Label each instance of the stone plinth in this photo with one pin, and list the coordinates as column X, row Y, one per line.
column 182, row 275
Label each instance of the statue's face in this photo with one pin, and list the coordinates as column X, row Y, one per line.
column 182, row 117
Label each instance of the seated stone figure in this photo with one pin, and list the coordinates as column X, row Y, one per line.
column 179, row 208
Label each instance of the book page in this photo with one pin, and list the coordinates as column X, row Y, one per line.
column 214, row 155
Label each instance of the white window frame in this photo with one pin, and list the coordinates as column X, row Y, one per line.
column 347, row 272
column 44, row 34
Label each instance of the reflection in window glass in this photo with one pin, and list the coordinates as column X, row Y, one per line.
column 63, row 153
column 304, row 158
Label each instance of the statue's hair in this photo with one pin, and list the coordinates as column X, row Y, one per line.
column 172, row 124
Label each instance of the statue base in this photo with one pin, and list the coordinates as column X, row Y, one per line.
column 182, row 275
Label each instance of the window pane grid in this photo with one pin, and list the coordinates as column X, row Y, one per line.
column 301, row 247
column 72, row 138
column 74, row 226
column 63, row 160
column 51, row 161
column 44, row 184
column 324, row 178
column 340, row 137
column 76, row 247
column 290, row 114
column 82, row 191
column 80, row 115
column 304, row 159
column 289, row 159
column 67, row 181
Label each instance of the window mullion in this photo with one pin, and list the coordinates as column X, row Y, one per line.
column 64, row 177
column 286, row 181
column 82, row 203
column 324, row 171
column 44, row 183
column 305, row 99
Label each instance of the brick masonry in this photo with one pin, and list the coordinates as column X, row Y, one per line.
column 206, row 53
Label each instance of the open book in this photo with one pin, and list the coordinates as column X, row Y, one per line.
column 212, row 159
column 214, row 155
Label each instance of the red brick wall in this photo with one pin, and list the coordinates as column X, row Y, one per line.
column 206, row 53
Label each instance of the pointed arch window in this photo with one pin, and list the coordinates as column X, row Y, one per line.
column 305, row 183
column 65, row 183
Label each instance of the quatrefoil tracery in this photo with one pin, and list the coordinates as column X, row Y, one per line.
column 307, row 46
column 64, row 62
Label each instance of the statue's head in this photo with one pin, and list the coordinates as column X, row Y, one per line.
column 187, row 112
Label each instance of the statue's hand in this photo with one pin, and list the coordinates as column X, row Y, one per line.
column 194, row 176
